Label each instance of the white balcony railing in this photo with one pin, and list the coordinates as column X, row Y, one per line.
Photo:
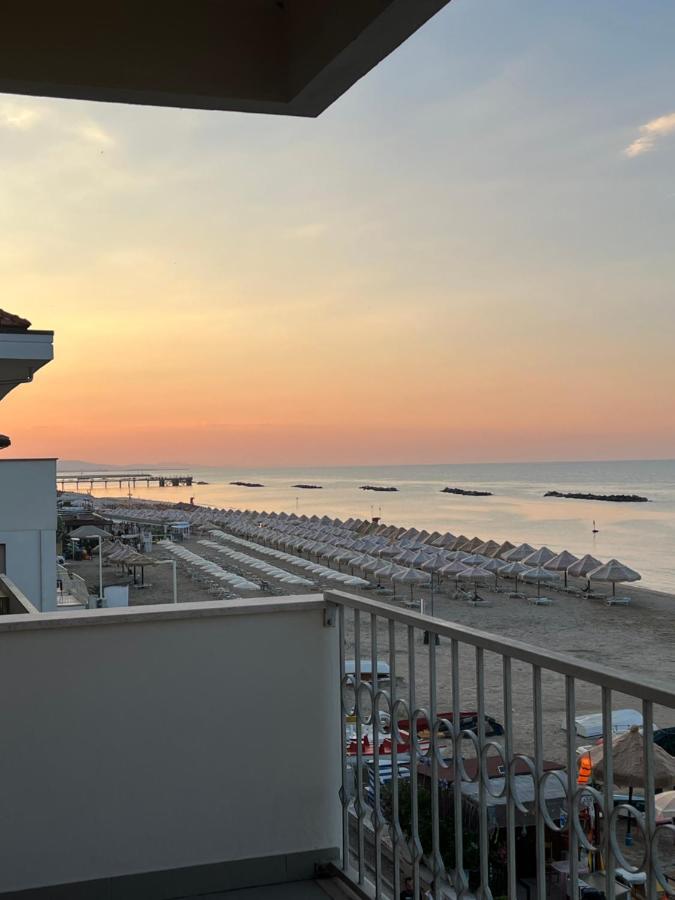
column 391, row 825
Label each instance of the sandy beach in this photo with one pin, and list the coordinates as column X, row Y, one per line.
column 639, row 639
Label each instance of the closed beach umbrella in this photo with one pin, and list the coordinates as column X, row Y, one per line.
column 514, row 569
column 502, row 549
column 561, row 563
column 614, row 571
column 412, row 577
column 539, row 574
column 539, row 557
column 518, row 554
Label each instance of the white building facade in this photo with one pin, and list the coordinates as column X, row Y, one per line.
column 27, row 486
column 28, row 528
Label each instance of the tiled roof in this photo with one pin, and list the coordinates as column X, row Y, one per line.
column 9, row 320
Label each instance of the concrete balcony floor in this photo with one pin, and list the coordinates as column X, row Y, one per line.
column 297, row 890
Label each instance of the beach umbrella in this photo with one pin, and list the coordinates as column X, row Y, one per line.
column 502, row 549
column 459, row 542
column 561, row 563
column 614, row 571
column 434, row 562
column 518, row 554
column 629, row 765
column 472, row 545
column 472, row 559
column 390, row 551
column 539, row 574
column 487, row 548
column 513, row 568
column 452, row 569
column 89, row 531
column 539, row 557
column 583, row 566
column 665, row 805
column 493, row 565
column 475, row 574
column 412, row 577
column 445, row 540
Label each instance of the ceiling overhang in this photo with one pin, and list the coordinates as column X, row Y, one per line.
column 22, row 353
column 293, row 57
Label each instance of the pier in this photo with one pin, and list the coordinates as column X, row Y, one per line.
column 131, row 479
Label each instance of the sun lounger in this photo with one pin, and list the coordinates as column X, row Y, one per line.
column 516, row 595
column 479, row 602
column 541, row 601
column 618, row 601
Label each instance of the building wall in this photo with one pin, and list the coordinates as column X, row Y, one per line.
column 164, row 737
column 28, row 527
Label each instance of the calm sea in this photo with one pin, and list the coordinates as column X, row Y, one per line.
column 639, row 534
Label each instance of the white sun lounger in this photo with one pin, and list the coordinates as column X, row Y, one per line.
column 541, row 601
column 618, row 601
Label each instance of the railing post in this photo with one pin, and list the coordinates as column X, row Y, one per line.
column 650, row 811
column 539, row 771
column 508, row 753
column 608, row 792
column 573, row 840
column 482, row 791
column 377, row 811
column 395, row 831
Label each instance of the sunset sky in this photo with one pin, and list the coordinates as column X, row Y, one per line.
column 469, row 257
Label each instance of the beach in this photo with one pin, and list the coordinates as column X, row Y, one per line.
column 639, row 638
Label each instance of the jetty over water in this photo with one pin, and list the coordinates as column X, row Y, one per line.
column 121, row 478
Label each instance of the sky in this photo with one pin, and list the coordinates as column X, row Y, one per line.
column 468, row 257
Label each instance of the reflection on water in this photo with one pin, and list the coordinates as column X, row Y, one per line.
column 641, row 535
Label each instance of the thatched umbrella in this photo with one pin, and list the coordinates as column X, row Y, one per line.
column 502, row 549
column 561, row 563
column 614, row 571
column 628, row 755
column 518, row 554
column 412, row 577
column 539, row 557
column 513, row 568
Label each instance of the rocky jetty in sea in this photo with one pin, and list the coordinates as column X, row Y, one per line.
column 376, row 487
column 612, row 498
column 466, row 493
column 247, row 484
column 309, row 487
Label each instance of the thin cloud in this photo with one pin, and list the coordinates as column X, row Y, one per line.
column 649, row 134
column 94, row 134
column 18, row 115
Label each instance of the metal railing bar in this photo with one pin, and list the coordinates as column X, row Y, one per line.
column 608, row 794
column 573, row 840
column 359, row 749
column 394, row 762
column 376, row 760
column 508, row 754
column 650, row 811
column 412, row 741
column 539, row 771
column 482, row 793
column 569, row 666
column 433, row 743
column 456, row 766
column 343, row 735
